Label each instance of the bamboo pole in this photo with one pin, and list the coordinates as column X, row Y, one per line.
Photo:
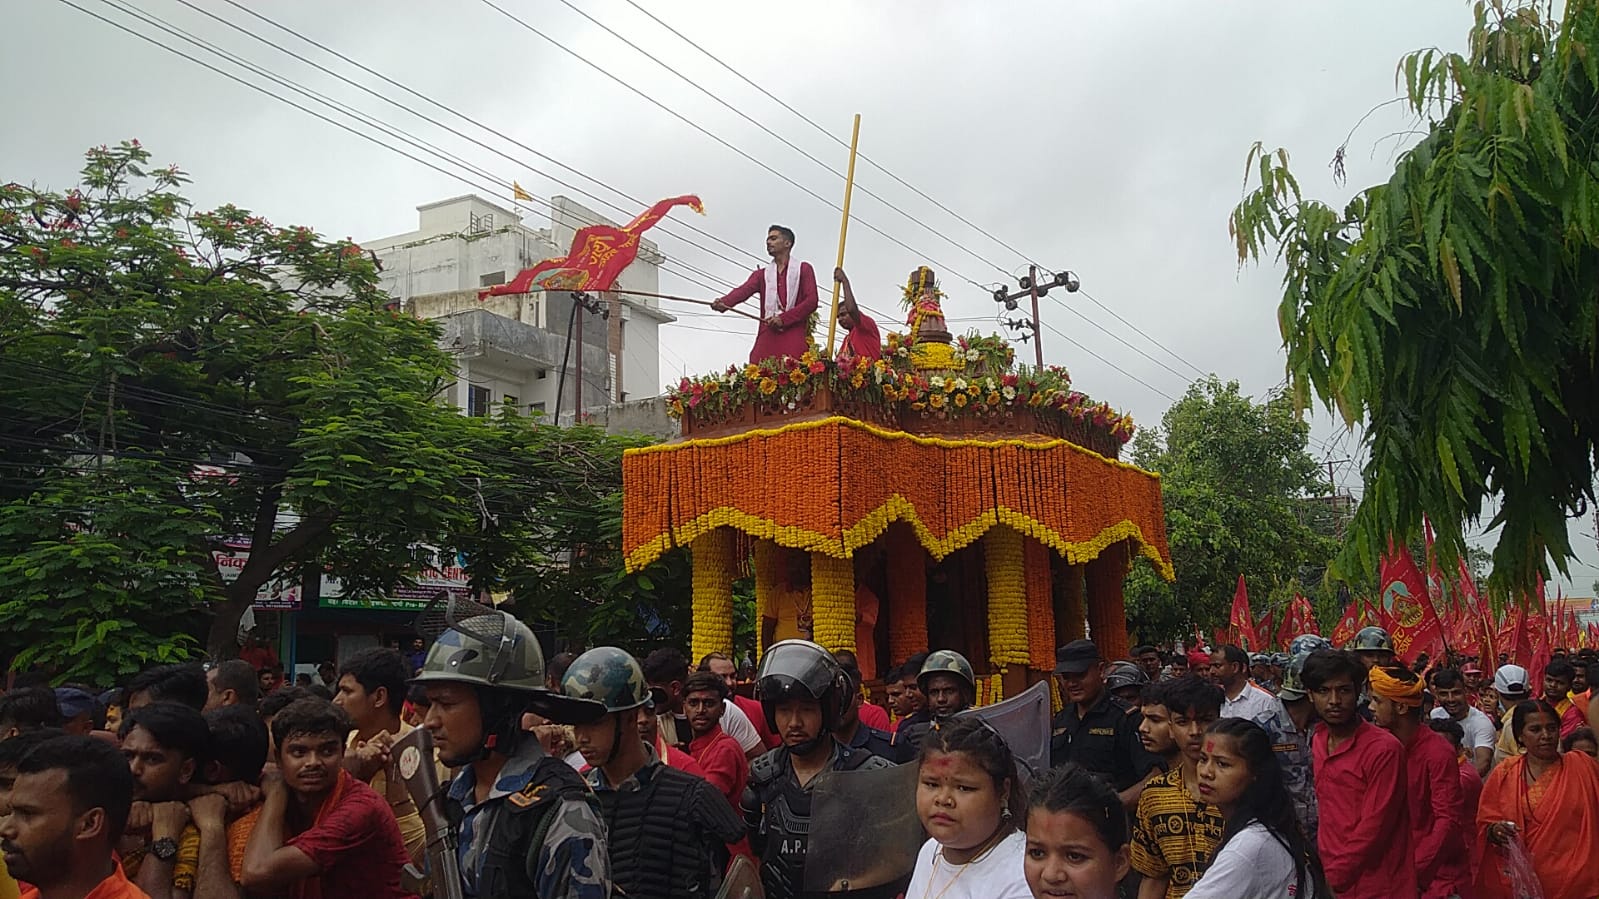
column 677, row 299
column 843, row 231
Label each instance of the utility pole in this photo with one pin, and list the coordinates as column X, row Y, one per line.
column 1029, row 287
column 1332, row 496
column 587, row 304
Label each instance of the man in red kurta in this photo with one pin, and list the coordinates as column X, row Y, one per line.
column 862, row 339
column 1437, row 810
column 1364, row 830
column 719, row 755
column 788, row 297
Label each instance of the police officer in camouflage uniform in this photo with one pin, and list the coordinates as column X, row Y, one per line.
column 950, row 685
column 802, row 690
column 668, row 830
column 528, row 824
column 1290, row 726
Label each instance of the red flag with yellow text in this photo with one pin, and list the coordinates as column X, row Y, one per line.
column 1241, row 622
column 1415, row 627
column 1348, row 624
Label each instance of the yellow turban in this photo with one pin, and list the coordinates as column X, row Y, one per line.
column 1395, row 690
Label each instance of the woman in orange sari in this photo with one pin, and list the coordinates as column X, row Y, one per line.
column 1548, row 802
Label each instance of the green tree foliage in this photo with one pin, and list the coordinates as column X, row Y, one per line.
column 172, row 380
column 1452, row 309
column 1235, row 479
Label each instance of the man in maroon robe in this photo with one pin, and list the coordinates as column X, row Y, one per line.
column 788, row 298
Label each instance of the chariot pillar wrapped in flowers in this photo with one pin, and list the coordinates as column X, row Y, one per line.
column 982, row 505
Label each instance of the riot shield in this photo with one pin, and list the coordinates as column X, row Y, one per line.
column 412, row 765
column 864, row 831
column 1024, row 721
column 743, row 881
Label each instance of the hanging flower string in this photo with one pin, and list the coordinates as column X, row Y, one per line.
column 907, row 595
column 712, row 582
column 1040, row 605
column 768, row 564
column 833, row 601
column 1007, row 598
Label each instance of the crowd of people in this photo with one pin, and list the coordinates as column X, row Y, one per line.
column 1319, row 774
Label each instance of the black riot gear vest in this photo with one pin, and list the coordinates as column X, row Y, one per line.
column 668, row 837
column 520, row 831
column 778, row 811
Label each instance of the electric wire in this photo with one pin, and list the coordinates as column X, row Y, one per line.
column 724, row 142
column 466, row 118
column 778, row 137
column 884, row 169
column 311, row 112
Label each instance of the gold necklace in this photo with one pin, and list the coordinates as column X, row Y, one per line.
column 988, row 846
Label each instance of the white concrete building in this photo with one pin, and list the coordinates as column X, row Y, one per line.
column 512, row 348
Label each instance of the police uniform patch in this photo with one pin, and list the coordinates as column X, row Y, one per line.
column 526, row 796
column 1102, row 731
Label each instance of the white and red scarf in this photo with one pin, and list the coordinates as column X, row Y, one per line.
column 771, row 303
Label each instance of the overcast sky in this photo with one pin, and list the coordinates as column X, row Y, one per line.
column 1104, row 138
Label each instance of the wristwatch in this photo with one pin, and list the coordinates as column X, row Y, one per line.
column 164, row 849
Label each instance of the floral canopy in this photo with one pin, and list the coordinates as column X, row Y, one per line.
column 833, row 485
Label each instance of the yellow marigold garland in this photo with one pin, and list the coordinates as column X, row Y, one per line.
column 833, row 601
column 1003, row 560
column 990, row 689
column 907, row 595
column 768, row 564
column 713, row 592
column 1040, row 605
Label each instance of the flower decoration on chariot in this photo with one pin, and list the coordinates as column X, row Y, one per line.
column 920, row 281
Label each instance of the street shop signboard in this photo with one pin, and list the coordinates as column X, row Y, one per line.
column 280, row 594
column 428, row 583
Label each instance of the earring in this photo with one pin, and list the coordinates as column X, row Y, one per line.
column 1005, row 814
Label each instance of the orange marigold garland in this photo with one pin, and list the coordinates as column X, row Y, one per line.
column 907, row 595
column 1003, row 560
column 833, row 601
column 713, row 575
column 1040, row 605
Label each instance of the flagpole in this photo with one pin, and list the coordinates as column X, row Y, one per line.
column 843, row 232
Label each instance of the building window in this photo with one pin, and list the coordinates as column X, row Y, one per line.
column 536, row 407
column 543, row 373
column 491, row 279
column 477, row 400
column 511, row 401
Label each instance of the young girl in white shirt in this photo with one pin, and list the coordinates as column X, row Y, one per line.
column 1263, row 853
column 968, row 799
column 1076, row 836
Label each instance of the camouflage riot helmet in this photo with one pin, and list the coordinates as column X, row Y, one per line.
column 488, row 650
column 608, row 676
column 800, row 669
column 1373, row 639
column 609, row 681
column 1293, row 686
column 1306, row 644
column 947, row 661
column 499, row 658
